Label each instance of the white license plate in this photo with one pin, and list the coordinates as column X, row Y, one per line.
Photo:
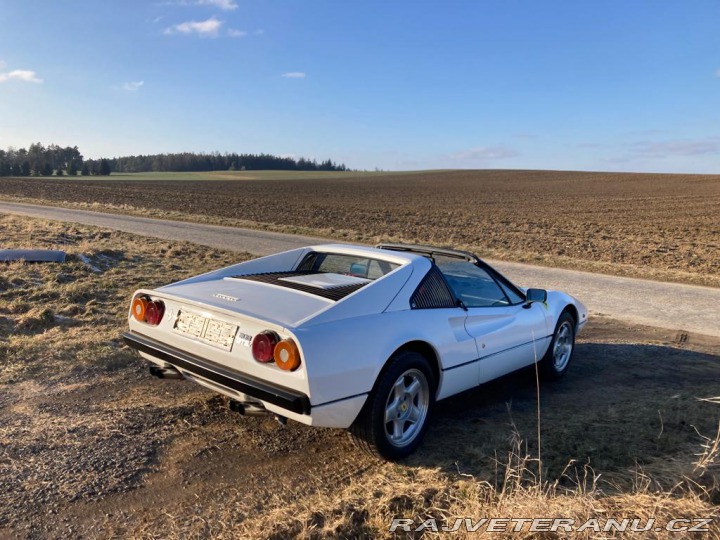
column 216, row 333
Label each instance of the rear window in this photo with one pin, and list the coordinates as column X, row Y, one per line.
column 349, row 265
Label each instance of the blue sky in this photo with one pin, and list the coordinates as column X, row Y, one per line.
column 607, row 85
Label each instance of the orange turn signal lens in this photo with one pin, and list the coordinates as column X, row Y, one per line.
column 287, row 355
column 139, row 308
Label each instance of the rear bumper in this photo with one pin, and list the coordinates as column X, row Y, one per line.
column 290, row 400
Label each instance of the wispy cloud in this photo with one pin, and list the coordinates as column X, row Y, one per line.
column 642, row 151
column 294, row 75
column 133, row 86
column 24, row 75
column 717, row 72
column 2, row 64
column 661, row 149
column 526, row 135
column 207, row 28
column 484, row 153
column 236, row 33
column 227, row 5
column 589, row 145
column 259, row 32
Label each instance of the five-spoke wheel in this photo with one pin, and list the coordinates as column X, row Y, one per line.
column 407, row 406
column 393, row 420
column 557, row 359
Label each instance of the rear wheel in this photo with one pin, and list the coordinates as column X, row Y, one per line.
column 392, row 423
column 557, row 358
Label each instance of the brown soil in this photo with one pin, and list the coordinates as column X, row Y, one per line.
column 617, row 223
column 91, row 446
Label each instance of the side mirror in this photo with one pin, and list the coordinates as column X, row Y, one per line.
column 535, row 295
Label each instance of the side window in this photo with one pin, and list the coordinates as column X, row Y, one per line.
column 473, row 285
column 514, row 297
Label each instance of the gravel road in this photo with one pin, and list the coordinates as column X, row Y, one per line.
column 684, row 308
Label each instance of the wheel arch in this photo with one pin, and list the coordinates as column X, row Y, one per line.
column 572, row 310
column 423, row 348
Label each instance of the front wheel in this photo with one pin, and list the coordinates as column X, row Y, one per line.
column 392, row 423
column 557, row 358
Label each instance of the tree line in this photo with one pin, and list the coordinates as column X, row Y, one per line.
column 40, row 160
column 201, row 162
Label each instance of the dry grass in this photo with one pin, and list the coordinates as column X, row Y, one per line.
column 79, row 308
column 641, row 225
column 91, row 446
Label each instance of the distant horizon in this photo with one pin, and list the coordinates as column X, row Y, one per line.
column 558, row 85
column 367, row 170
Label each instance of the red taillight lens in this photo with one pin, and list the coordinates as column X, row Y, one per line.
column 263, row 346
column 154, row 312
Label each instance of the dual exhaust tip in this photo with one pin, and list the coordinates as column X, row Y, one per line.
column 246, row 408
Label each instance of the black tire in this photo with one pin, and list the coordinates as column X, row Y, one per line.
column 557, row 359
column 370, row 430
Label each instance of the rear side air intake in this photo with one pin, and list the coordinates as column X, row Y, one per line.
column 433, row 292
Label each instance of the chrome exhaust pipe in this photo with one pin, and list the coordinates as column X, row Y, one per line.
column 247, row 408
column 165, row 372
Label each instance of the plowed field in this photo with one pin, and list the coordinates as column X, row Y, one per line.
column 646, row 225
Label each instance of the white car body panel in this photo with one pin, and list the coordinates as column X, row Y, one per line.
column 508, row 338
column 344, row 344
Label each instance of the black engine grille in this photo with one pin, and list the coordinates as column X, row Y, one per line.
column 333, row 293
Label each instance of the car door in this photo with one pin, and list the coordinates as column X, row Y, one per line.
column 508, row 334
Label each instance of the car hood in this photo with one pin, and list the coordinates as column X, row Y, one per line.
column 278, row 305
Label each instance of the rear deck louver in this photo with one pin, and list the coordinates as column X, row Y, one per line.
column 274, row 278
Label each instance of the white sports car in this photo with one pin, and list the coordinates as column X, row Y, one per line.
column 353, row 337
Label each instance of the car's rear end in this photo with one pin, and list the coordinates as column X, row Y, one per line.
column 213, row 346
column 234, row 332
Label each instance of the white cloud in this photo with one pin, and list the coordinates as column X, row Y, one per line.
column 294, row 75
column 484, row 153
column 236, row 33
column 133, row 86
column 227, row 5
column 207, row 28
column 21, row 75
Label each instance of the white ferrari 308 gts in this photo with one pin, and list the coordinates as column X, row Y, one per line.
column 353, row 337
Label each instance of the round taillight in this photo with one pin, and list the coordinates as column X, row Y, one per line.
column 263, row 346
column 139, row 307
column 154, row 312
column 287, row 355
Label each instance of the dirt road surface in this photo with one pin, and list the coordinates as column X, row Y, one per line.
column 683, row 308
